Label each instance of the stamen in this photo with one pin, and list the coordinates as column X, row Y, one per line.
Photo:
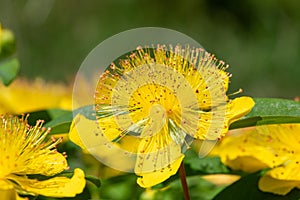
column 235, row 93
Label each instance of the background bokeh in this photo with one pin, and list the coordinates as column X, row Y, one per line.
column 259, row 39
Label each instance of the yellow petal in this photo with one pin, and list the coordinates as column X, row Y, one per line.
column 110, row 153
column 239, row 150
column 236, row 109
column 221, row 179
column 157, row 152
column 45, row 164
column 10, row 195
column 82, row 125
column 5, row 185
column 73, row 134
column 269, row 146
column 239, row 107
column 39, row 96
column 54, row 187
column 276, row 186
column 150, row 179
column 290, row 170
column 246, row 163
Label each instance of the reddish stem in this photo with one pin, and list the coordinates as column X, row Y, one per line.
column 183, row 182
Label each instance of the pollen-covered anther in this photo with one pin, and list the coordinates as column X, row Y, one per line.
column 112, row 66
column 65, row 154
column 53, row 139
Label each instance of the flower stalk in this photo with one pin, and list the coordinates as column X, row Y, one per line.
column 183, row 182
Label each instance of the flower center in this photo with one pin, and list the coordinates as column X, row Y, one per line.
column 156, row 102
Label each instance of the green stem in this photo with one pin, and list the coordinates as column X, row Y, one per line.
column 183, row 182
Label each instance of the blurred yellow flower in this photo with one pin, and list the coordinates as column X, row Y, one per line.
column 24, row 96
column 25, row 151
column 155, row 103
column 269, row 146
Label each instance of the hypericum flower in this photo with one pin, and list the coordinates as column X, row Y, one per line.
column 39, row 95
column 269, row 146
column 153, row 103
column 25, row 151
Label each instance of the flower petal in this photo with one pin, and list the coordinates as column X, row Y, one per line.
column 10, row 194
column 239, row 107
column 5, row 185
column 276, row 186
column 221, row 179
column 39, row 96
column 114, row 154
column 150, row 179
column 81, row 123
column 236, row 109
column 270, row 146
column 290, row 170
column 47, row 164
column 54, row 187
column 73, row 134
column 239, row 150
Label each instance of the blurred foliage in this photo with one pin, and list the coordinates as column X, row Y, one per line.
column 198, row 188
column 9, row 69
column 259, row 39
column 9, row 66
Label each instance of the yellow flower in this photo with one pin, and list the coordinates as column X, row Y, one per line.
column 25, row 151
column 269, row 146
column 152, row 105
column 24, row 96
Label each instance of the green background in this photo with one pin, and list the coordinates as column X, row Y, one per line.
column 259, row 39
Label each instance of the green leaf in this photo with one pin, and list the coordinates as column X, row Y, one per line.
column 62, row 123
column 123, row 187
column 9, row 70
column 38, row 115
column 56, row 112
column 206, row 165
column 247, row 189
column 199, row 188
column 95, row 180
column 46, row 115
column 270, row 111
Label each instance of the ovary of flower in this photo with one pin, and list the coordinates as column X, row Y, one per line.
column 24, row 150
column 269, row 146
column 163, row 98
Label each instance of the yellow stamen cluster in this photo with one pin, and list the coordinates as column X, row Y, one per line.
column 26, row 150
